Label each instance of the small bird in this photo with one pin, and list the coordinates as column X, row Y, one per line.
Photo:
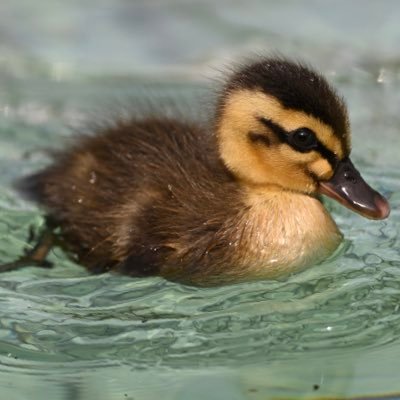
column 235, row 200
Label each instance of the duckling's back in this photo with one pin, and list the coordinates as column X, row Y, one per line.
column 138, row 195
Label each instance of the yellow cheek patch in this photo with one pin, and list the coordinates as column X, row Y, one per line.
column 238, row 112
column 296, row 157
column 321, row 168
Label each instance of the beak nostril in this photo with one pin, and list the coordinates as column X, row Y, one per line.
column 349, row 177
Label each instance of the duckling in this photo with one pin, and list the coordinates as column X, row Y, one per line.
column 206, row 205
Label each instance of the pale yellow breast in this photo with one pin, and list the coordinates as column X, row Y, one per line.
column 283, row 232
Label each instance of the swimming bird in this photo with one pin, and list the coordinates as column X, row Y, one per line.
column 234, row 200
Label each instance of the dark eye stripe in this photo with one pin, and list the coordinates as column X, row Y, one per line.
column 277, row 129
column 330, row 156
column 283, row 136
column 259, row 138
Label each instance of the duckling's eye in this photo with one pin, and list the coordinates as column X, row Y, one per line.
column 303, row 139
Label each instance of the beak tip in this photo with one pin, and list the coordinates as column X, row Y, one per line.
column 382, row 207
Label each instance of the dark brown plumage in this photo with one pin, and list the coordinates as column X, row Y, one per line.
column 141, row 196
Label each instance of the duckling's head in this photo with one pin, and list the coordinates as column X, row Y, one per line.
column 280, row 124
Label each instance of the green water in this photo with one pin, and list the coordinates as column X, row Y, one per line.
column 67, row 335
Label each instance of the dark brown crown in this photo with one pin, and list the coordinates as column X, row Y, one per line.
column 297, row 87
